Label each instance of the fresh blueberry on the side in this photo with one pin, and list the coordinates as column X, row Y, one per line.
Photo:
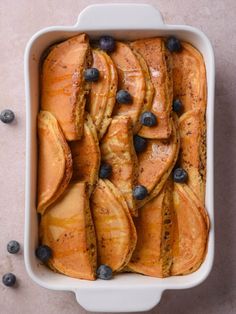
column 91, row 75
column 177, row 105
column 107, row 43
column 43, row 253
column 123, row 97
column 140, row 192
column 140, row 143
column 104, row 272
column 9, row 279
column 173, row 44
column 180, row 175
column 105, row 171
column 13, row 247
column 7, row 116
column 148, row 119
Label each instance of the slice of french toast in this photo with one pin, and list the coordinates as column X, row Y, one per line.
column 54, row 162
column 154, row 224
column 157, row 161
column 115, row 231
column 86, row 155
column 63, row 88
column 117, row 150
column 159, row 62
column 132, row 79
column 67, row 228
column 102, row 95
column 190, row 231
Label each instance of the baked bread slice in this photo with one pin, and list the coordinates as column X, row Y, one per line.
column 63, row 87
column 189, row 78
column 159, row 62
column 55, row 161
column 86, row 155
column 117, row 150
column 190, row 232
column 153, row 253
column 67, row 228
column 132, row 79
column 193, row 151
column 116, row 234
column 149, row 93
column 156, row 162
column 103, row 92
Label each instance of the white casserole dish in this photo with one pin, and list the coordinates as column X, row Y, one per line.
column 126, row 292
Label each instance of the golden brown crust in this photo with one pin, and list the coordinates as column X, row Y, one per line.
column 191, row 232
column 67, row 228
column 153, row 253
column 55, row 161
column 117, row 150
column 130, row 78
column 63, row 87
column 114, row 229
column 103, row 93
column 86, row 155
column 157, row 162
column 158, row 60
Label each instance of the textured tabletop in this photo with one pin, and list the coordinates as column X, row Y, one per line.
column 19, row 20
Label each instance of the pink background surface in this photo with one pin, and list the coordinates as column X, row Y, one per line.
column 19, row 20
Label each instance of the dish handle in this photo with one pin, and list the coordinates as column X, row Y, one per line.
column 118, row 299
column 119, row 16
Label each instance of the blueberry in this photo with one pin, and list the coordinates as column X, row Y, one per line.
column 148, row 119
column 177, row 105
column 123, row 97
column 105, row 171
column 140, row 192
column 91, row 75
column 107, row 43
column 173, row 44
column 140, row 143
column 180, row 175
column 9, row 279
column 43, row 253
column 7, row 116
column 104, row 272
column 13, row 247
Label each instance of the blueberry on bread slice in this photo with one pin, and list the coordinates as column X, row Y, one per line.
column 107, row 43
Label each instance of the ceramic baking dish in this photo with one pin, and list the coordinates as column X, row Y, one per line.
column 126, row 292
